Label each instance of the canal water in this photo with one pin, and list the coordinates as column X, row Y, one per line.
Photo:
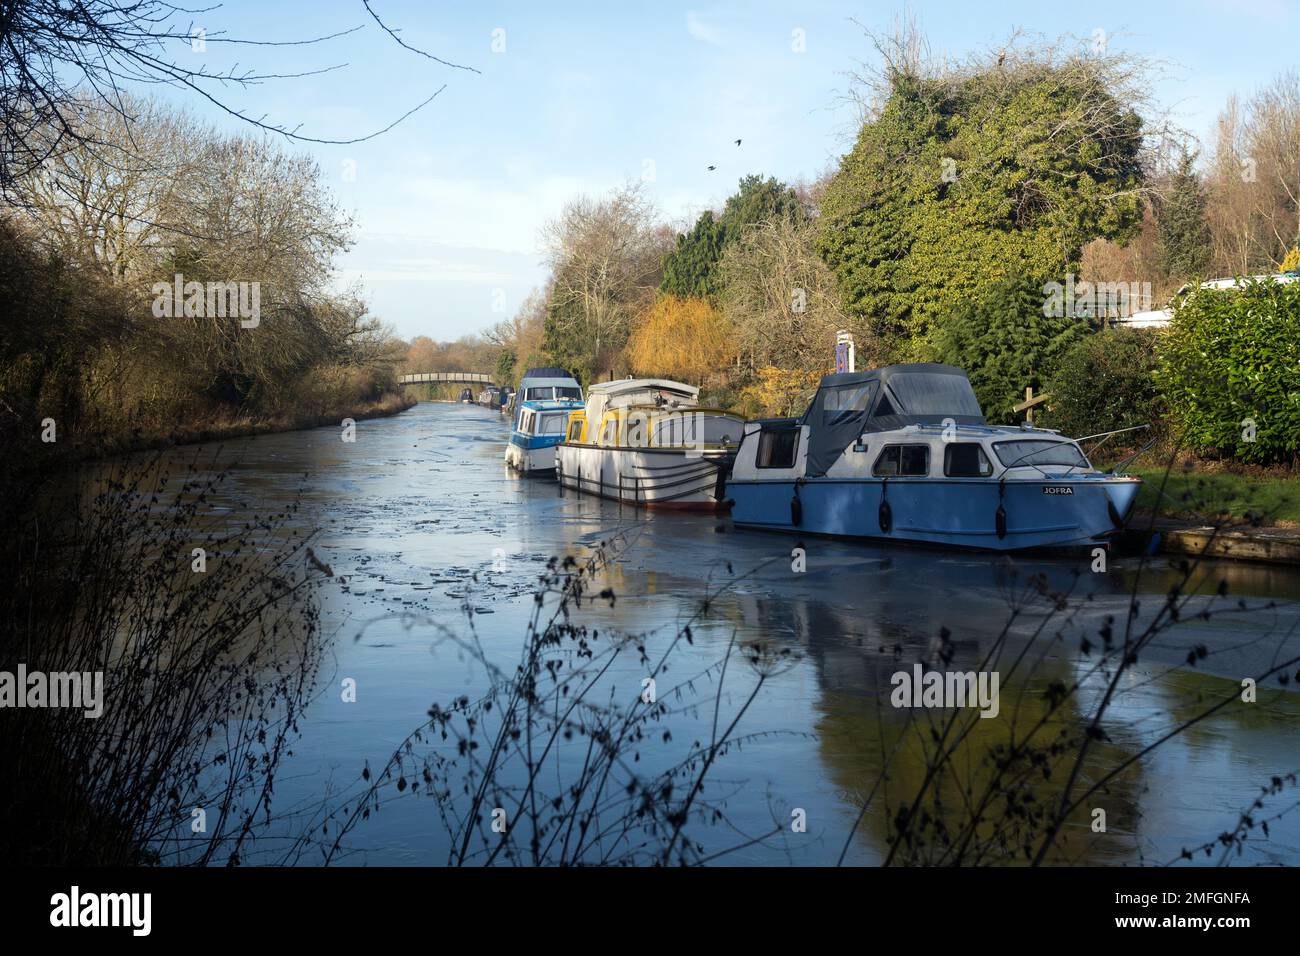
column 425, row 529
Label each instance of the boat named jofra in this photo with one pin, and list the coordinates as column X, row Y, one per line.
column 903, row 453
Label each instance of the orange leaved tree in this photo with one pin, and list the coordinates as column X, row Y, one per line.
column 685, row 339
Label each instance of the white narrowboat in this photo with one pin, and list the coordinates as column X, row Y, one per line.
column 648, row 442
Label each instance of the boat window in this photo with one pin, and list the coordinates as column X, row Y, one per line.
column 526, row 421
column 565, row 391
column 575, row 429
column 910, row 461
column 1039, row 451
column 712, row 429
column 777, row 448
column 722, row 430
column 842, row 402
column 539, row 394
column 933, row 393
column 885, row 407
column 966, row 460
column 609, row 434
column 552, row 424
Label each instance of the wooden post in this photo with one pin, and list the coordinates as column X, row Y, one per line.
column 1027, row 406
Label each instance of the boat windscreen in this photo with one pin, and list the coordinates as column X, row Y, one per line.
column 931, row 393
column 1029, row 452
column 688, row 428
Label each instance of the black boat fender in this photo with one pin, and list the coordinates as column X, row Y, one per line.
column 1000, row 518
column 886, row 514
column 796, row 507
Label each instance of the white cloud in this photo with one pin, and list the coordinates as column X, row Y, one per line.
column 701, row 30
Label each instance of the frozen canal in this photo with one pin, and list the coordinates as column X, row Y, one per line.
column 423, row 520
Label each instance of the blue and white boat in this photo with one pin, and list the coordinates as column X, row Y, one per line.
column 539, row 427
column 548, row 384
column 903, row 453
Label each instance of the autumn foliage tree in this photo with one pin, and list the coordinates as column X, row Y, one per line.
column 686, row 339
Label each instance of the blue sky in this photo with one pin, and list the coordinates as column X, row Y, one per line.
column 587, row 95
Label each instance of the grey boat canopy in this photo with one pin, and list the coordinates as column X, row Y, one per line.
column 548, row 371
column 848, row 404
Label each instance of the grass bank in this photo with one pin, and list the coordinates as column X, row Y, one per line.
column 224, row 425
column 1207, row 489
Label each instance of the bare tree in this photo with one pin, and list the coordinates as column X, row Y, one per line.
column 781, row 298
column 119, row 205
column 1254, row 179
column 605, row 255
column 55, row 56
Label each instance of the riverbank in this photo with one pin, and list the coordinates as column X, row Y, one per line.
column 1207, row 489
column 1182, row 536
column 223, row 429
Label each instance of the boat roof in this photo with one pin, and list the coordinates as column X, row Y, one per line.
column 548, row 383
column 651, row 407
column 552, row 404
column 888, row 372
column 636, row 391
column 620, row 386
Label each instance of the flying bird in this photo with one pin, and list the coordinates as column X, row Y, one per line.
column 712, row 168
column 737, row 142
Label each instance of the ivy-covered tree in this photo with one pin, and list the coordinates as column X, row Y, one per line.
column 962, row 178
column 691, row 268
column 1181, row 220
column 566, row 337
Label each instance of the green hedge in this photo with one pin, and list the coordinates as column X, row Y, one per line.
column 1105, row 381
column 1230, row 356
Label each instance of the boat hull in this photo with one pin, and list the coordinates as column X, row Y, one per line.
column 646, row 477
column 1038, row 513
column 537, row 460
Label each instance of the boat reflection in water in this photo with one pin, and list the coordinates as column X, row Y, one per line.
column 903, row 453
column 647, row 442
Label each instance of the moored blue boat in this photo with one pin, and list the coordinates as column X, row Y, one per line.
column 904, row 453
column 538, row 428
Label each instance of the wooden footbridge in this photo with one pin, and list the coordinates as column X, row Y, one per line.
column 449, row 378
